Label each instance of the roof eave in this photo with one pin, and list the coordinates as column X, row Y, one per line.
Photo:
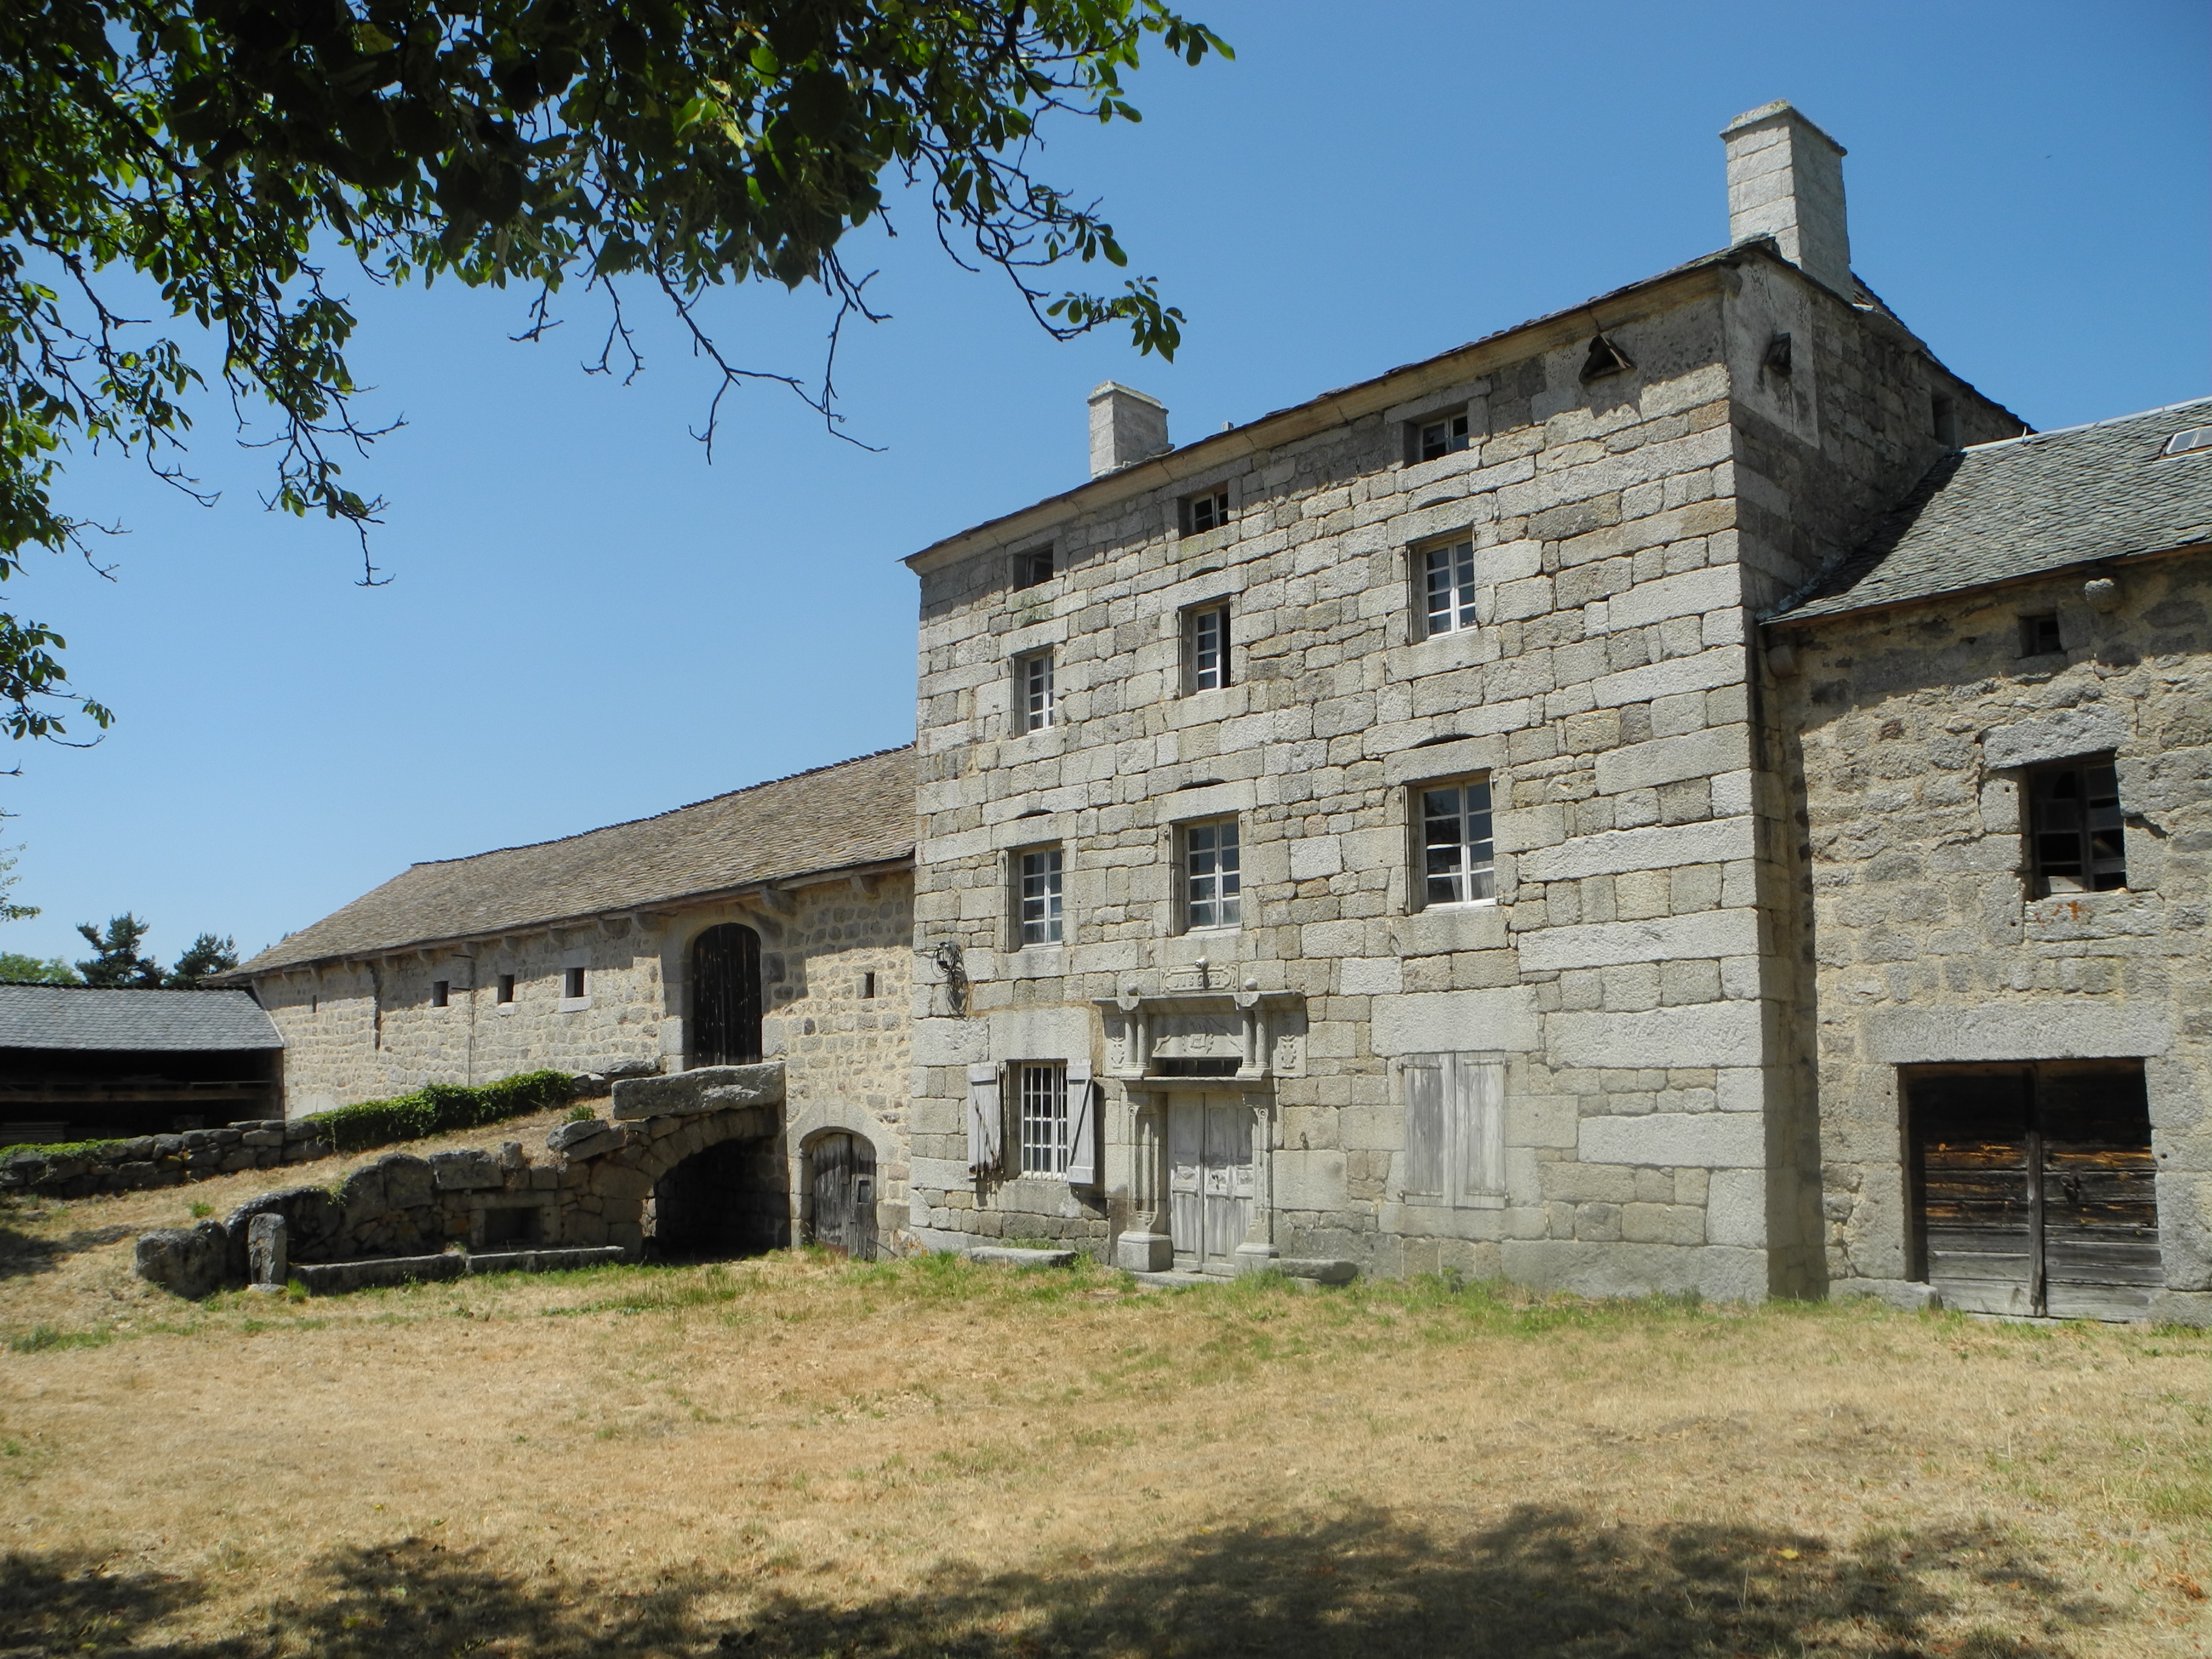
column 1806, row 617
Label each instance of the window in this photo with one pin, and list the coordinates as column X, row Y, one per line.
column 2074, row 827
column 1455, row 1128
column 867, row 987
column 1044, row 1118
column 1456, row 850
column 1212, row 883
column 441, row 992
column 1033, row 685
column 571, row 984
column 506, row 992
column 1943, row 420
column 1033, row 568
column 1039, row 913
column 1207, row 638
column 2039, row 636
column 1208, row 510
column 1448, row 585
column 1447, row 434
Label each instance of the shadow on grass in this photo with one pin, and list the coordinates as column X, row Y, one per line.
column 1542, row 1584
column 23, row 1253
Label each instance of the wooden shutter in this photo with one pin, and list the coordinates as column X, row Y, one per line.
column 1082, row 1127
column 1476, row 1130
column 984, row 1123
column 1424, row 1171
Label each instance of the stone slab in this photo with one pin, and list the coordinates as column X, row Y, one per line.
column 708, row 1089
column 1000, row 1255
column 2038, row 1028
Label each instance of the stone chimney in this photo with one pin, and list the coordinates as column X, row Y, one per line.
column 1785, row 179
column 1126, row 427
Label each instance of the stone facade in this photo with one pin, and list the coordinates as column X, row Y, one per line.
column 1630, row 499
column 835, row 969
column 1910, row 726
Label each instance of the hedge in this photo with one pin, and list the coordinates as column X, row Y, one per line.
column 438, row 1109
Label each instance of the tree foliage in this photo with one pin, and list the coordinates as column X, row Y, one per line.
column 231, row 151
column 203, row 957
column 17, row 969
column 116, row 961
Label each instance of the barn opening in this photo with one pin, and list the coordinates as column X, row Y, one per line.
column 841, row 1211
column 726, row 996
column 729, row 1200
column 2033, row 1188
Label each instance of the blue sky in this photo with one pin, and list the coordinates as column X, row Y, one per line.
column 588, row 622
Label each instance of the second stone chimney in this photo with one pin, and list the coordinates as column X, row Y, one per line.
column 1785, row 179
column 1126, row 427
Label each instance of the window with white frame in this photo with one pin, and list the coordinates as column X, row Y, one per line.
column 1205, row 636
column 1208, row 510
column 1042, row 1090
column 1447, row 587
column 1212, row 876
column 1038, row 878
column 1033, row 568
column 1455, row 1128
column 1457, row 861
column 1033, row 687
column 1439, row 435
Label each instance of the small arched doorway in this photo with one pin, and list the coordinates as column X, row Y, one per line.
column 726, row 996
column 841, row 1182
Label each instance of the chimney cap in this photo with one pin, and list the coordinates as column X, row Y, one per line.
column 1780, row 110
column 1107, row 388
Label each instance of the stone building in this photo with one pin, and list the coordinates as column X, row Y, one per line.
column 1998, row 720
column 1372, row 835
column 769, row 926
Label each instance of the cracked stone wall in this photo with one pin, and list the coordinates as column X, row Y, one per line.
column 1911, row 726
column 1630, row 969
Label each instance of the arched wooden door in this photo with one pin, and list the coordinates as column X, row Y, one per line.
column 842, row 1174
column 726, row 996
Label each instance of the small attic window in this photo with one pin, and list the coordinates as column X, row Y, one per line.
column 1777, row 353
column 1605, row 358
column 1033, row 568
column 1943, row 420
column 441, row 995
column 2183, row 443
column 2039, row 636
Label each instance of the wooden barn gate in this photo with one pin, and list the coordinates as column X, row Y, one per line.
column 2032, row 1188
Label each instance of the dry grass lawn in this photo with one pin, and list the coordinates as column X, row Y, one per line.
column 797, row 1457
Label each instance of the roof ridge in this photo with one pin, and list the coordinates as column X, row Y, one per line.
column 624, row 824
column 2085, row 425
column 54, row 985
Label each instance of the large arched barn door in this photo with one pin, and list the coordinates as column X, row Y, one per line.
column 842, row 1178
column 726, row 996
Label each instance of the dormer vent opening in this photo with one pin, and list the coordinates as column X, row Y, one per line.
column 1605, row 358
column 1777, row 353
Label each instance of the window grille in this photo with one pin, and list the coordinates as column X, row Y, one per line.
column 1040, row 896
column 1208, row 510
column 1445, row 436
column 1209, row 648
column 1456, row 858
column 1212, row 880
column 1449, row 586
column 2077, row 843
column 1044, row 1119
column 1036, row 692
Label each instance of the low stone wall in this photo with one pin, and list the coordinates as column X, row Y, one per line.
column 590, row 1193
column 130, row 1166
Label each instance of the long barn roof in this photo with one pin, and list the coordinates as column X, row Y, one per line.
column 79, row 1016
column 856, row 813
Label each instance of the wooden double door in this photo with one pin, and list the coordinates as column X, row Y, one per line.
column 1211, row 1180
column 2033, row 1188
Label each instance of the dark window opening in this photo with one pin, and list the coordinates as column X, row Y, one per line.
column 516, row 1227
column 867, row 987
column 1777, row 353
column 571, row 984
column 2076, row 841
column 441, row 992
column 1447, row 434
column 726, row 996
column 506, row 992
column 1187, row 1067
column 1943, row 419
column 2033, row 1188
column 1033, row 568
column 1208, row 510
column 1605, row 358
column 2039, row 636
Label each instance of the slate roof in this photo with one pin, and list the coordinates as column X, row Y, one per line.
column 82, row 1016
column 836, row 817
column 2027, row 506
